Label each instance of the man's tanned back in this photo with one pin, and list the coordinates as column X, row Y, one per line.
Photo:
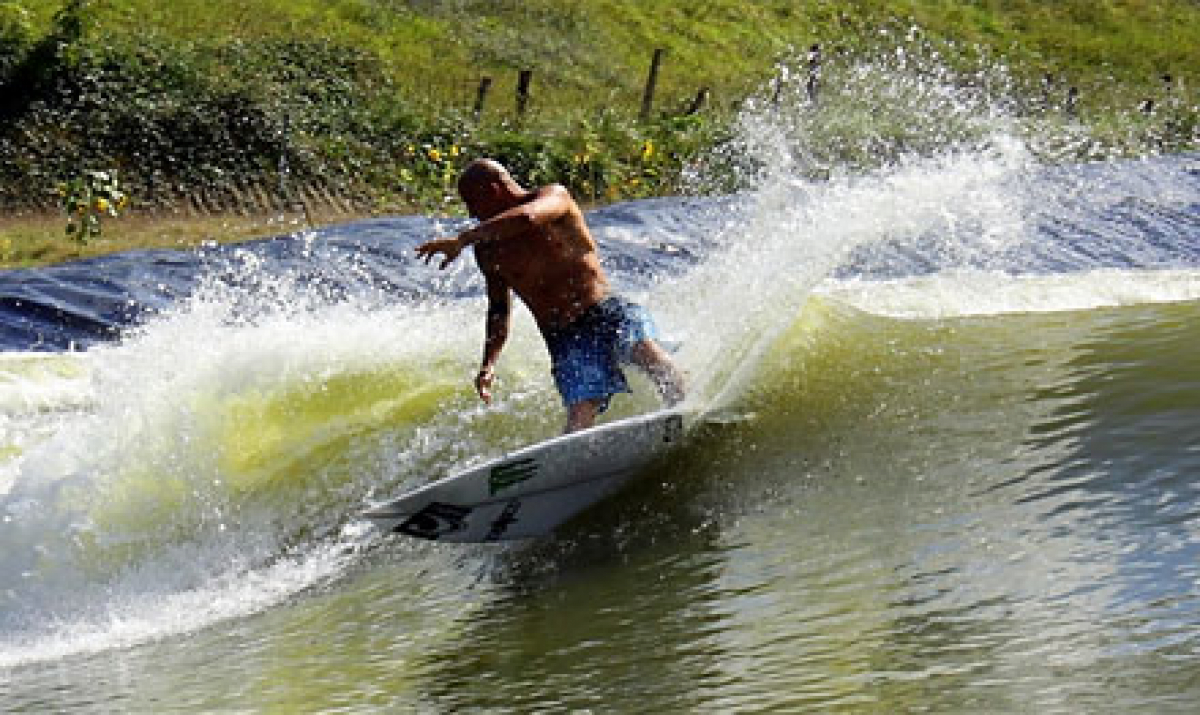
column 554, row 269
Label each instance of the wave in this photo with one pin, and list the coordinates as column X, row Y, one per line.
column 979, row 293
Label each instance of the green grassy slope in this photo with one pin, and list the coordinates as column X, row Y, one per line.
column 579, row 49
column 373, row 97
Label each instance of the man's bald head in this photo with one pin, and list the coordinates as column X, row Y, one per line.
column 487, row 187
column 482, row 172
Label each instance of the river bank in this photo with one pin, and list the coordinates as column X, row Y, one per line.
column 36, row 239
column 236, row 109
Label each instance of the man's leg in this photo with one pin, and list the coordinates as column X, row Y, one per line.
column 650, row 357
column 581, row 415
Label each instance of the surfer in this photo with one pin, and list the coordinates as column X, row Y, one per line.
column 535, row 243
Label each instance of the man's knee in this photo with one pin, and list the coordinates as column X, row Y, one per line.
column 582, row 414
column 650, row 356
column 647, row 354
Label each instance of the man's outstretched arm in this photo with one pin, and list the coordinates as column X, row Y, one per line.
column 549, row 204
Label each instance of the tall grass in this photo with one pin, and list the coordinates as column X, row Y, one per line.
column 371, row 99
column 594, row 53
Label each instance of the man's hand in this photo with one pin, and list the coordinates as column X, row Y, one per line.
column 448, row 247
column 483, row 384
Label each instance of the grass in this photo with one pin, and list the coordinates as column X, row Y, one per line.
column 31, row 240
column 591, row 54
column 370, row 100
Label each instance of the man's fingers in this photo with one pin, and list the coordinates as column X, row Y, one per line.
column 431, row 249
column 483, row 385
column 426, row 252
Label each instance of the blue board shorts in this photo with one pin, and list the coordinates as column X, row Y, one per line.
column 586, row 354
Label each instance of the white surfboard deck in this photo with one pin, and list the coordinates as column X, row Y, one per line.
column 529, row 492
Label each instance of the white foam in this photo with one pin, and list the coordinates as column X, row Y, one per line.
column 41, row 382
column 130, row 616
column 978, row 293
column 118, row 520
column 796, row 232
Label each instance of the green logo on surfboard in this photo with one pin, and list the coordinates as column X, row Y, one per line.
column 506, row 475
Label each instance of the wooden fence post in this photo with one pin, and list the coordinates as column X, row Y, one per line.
column 651, row 81
column 485, row 84
column 524, row 77
column 813, row 86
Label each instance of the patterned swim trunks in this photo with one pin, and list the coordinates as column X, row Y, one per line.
column 586, row 355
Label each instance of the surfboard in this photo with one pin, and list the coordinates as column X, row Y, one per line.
column 529, row 492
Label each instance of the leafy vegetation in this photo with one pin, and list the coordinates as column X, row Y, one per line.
column 370, row 105
column 87, row 199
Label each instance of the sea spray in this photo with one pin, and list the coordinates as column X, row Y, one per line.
column 219, row 436
column 792, row 233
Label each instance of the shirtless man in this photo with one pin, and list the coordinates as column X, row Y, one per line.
column 537, row 245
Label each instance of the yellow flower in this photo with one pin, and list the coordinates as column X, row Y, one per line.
column 434, row 154
column 101, row 204
column 454, row 150
column 647, row 150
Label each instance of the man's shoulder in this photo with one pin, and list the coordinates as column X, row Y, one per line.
column 556, row 203
column 555, row 190
column 563, row 196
